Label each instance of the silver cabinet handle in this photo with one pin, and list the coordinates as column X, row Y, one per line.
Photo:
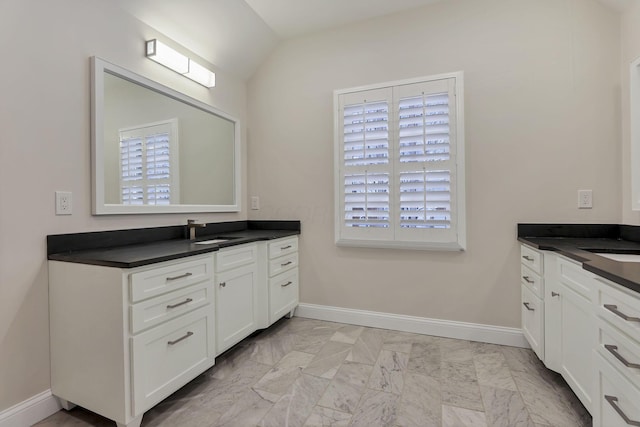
column 527, row 258
column 187, row 301
column 613, row 401
column 614, row 309
column 223, row 284
column 526, row 279
column 555, row 294
column 286, row 247
column 613, row 349
column 526, row 304
column 286, row 284
column 174, row 342
column 286, row 263
column 182, row 276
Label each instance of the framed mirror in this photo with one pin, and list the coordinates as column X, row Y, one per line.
column 156, row 150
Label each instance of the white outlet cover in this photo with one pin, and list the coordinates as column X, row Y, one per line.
column 585, row 199
column 64, row 203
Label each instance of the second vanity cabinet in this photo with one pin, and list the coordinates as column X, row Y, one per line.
column 592, row 338
column 123, row 339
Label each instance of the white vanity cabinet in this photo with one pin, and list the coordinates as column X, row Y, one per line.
column 237, row 294
column 124, row 339
column 617, row 356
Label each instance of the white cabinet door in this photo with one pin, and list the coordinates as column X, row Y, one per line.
column 236, row 309
column 532, row 320
column 576, row 328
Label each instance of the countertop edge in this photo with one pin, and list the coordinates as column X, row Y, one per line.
column 77, row 257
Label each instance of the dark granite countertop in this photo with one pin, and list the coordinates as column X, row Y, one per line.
column 137, row 247
column 581, row 244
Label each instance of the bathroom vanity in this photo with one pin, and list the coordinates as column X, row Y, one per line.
column 132, row 323
column 580, row 287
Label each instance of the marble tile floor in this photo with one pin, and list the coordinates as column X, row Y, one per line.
column 303, row 372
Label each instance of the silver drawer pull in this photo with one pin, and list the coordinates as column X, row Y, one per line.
column 187, row 301
column 526, row 279
column 614, row 309
column 182, row 276
column 287, row 284
column 526, row 304
column 187, row 335
column 223, row 284
column 613, row 349
column 613, row 401
column 286, row 247
column 527, row 258
column 555, row 294
column 286, row 263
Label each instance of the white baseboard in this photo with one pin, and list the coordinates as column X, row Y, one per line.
column 30, row 411
column 419, row 325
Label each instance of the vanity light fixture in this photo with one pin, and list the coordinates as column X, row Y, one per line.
column 181, row 64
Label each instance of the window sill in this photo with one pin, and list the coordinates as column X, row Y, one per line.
column 394, row 244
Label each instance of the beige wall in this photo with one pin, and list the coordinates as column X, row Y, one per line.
column 542, row 121
column 630, row 52
column 44, row 123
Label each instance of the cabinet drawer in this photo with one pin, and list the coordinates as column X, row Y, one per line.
column 283, row 294
column 572, row 275
column 154, row 311
column 283, row 247
column 533, row 321
column 227, row 259
column 170, row 355
column 622, row 352
column 531, row 258
column 532, row 280
column 282, row 264
column 162, row 279
column 619, row 308
column 616, row 400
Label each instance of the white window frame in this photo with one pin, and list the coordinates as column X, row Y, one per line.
column 453, row 239
column 144, row 182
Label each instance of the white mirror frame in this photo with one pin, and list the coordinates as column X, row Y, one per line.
column 99, row 207
column 635, row 133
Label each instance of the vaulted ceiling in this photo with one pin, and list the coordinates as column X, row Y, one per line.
column 237, row 35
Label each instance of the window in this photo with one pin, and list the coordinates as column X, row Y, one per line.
column 149, row 164
column 400, row 164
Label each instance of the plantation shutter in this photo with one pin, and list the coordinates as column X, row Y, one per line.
column 400, row 165
column 426, row 166
column 148, row 164
column 365, row 171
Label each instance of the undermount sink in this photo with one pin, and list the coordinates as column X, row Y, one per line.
column 620, row 257
column 210, row 242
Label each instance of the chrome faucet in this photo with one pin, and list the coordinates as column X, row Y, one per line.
column 191, row 225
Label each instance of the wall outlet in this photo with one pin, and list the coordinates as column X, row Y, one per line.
column 255, row 203
column 585, row 199
column 64, row 204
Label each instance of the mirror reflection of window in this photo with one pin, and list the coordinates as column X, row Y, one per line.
column 149, row 172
